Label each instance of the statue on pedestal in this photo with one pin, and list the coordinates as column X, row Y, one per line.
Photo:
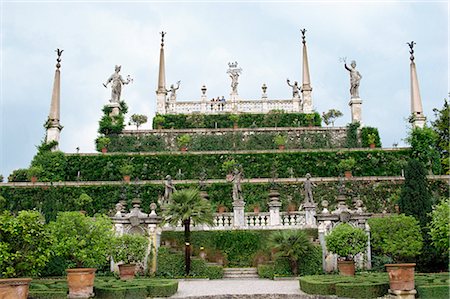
column 234, row 73
column 169, row 188
column 172, row 90
column 355, row 78
column 116, row 81
column 308, row 185
column 237, row 190
column 295, row 89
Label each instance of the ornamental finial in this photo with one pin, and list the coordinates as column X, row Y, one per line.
column 411, row 50
column 162, row 37
column 303, row 31
column 58, row 60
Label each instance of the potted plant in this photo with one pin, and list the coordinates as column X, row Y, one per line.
column 227, row 167
column 221, row 208
column 183, row 141
column 128, row 249
column 24, row 251
column 84, row 242
column 280, row 141
column 159, row 121
column 346, row 241
column 346, row 165
column 255, row 207
column 126, row 171
column 234, row 118
column 102, row 144
column 34, row 172
column 83, row 202
column 400, row 238
column 371, row 140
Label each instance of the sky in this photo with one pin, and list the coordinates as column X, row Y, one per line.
column 202, row 37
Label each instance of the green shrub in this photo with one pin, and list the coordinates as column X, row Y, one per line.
column 370, row 135
column 164, row 288
column 352, row 135
column 129, row 248
column 440, row 226
column 47, row 294
column 433, row 291
column 18, row 175
column 214, row 272
column 104, row 292
column 311, row 263
column 362, row 289
column 266, row 271
column 346, row 241
column 397, row 236
column 311, row 285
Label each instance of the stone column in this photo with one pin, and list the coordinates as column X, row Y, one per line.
column 238, row 213
column 306, row 81
column 368, row 250
column 53, row 125
column 274, row 208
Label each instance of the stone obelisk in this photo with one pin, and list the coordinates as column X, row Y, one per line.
column 306, row 83
column 52, row 125
column 417, row 118
column 161, row 92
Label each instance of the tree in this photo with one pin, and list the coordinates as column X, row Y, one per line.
column 292, row 244
column 440, row 226
column 330, row 116
column 441, row 127
column 415, row 198
column 138, row 120
column 188, row 207
column 423, row 146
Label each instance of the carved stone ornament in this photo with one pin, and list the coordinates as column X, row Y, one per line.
column 344, row 217
column 134, row 220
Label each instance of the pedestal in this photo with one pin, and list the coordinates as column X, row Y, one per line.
column 403, row 294
column 234, row 102
column 310, row 214
column 238, row 213
column 115, row 109
column 355, row 107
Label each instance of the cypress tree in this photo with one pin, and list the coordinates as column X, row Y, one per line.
column 415, row 198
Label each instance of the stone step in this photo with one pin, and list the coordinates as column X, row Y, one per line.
column 240, row 273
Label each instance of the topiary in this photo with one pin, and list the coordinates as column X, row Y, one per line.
column 346, row 241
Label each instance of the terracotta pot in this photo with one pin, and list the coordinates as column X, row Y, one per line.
column 235, row 126
column 348, row 173
column 14, row 288
column 81, row 282
column 34, row 179
column 256, row 209
column 127, row 271
column 104, row 150
column 281, row 147
column 346, row 268
column 372, row 145
column 127, row 178
column 221, row 209
column 401, row 276
column 183, row 149
column 292, row 207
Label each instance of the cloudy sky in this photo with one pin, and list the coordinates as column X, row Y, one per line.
column 202, row 37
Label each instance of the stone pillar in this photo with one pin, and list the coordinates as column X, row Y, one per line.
column 238, row 213
column 368, row 264
column 234, row 102
column 355, row 107
column 265, row 107
column 310, row 213
column 115, row 109
column 161, row 92
column 274, row 208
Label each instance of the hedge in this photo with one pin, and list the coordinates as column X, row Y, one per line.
column 51, row 199
column 433, row 291
column 112, row 288
column 362, row 289
column 60, row 167
column 245, row 120
column 47, row 294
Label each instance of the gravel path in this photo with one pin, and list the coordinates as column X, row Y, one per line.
column 194, row 288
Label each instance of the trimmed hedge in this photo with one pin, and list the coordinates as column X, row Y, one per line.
column 433, row 291
column 51, row 199
column 47, row 294
column 245, row 120
column 362, row 289
column 111, row 288
column 59, row 167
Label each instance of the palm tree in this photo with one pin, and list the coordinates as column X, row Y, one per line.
column 291, row 244
column 188, row 207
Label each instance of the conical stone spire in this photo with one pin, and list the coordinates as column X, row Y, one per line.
column 52, row 125
column 417, row 118
column 161, row 92
column 306, row 83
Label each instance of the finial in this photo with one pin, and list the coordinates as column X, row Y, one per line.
column 303, row 31
column 411, row 50
column 58, row 60
column 162, row 37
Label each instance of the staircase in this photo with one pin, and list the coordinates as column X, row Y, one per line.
column 240, row 273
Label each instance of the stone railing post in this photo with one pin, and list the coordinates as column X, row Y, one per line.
column 274, row 208
column 238, row 213
column 310, row 214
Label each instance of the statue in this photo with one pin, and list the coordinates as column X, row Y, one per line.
column 295, row 90
column 169, row 188
column 308, row 185
column 355, row 77
column 172, row 90
column 116, row 81
column 234, row 73
column 237, row 190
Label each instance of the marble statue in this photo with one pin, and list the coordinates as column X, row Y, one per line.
column 173, row 90
column 169, row 188
column 355, row 77
column 308, row 185
column 116, row 81
column 234, row 72
column 295, row 89
column 237, row 190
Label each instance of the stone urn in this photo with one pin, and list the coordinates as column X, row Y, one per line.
column 401, row 276
column 346, row 268
column 127, row 271
column 14, row 288
column 81, row 282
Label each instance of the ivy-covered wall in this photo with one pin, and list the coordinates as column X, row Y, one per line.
column 50, row 199
column 215, row 140
column 245, row 120
column 98, row 167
